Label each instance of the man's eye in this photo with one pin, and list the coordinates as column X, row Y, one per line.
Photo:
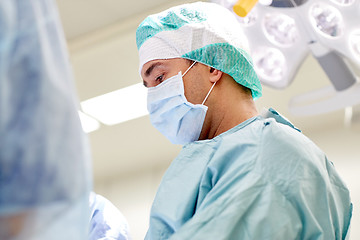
column 160, row 78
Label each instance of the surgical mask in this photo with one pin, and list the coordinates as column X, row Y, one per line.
column 170, row 112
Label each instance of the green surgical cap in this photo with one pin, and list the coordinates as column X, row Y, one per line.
column 204, row 32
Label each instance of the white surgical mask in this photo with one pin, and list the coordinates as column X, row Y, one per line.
column 170, row 112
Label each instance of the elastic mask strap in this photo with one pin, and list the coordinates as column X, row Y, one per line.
column 189, row 68
column 208, row 93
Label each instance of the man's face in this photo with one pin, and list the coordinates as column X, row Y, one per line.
column 195, row 83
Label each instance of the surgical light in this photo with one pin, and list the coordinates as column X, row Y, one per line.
column 280, row 29
column 282, row 34
column 249, row 19
column 355, row 43
column 344, row 2
column 270, row 62
column 242, row 8
column 326, row 19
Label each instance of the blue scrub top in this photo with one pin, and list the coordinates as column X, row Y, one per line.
column 262, row 179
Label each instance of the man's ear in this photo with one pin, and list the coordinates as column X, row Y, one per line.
column 215, row 75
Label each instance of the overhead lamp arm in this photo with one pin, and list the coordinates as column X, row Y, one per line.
column 338, row 72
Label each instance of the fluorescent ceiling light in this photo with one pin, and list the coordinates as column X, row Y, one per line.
column 118, row 106
column 88, row 123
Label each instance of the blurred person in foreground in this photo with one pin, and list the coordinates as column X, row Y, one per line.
column 45, row 172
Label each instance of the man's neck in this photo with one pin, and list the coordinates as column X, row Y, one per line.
column 229, row 108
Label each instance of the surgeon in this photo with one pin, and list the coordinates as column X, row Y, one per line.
column 240, row 174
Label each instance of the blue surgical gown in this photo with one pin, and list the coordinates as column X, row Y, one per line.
column 106, row 220
column 45, row 174
column 262, row 179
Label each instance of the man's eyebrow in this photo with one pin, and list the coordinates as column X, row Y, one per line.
column 151, row 68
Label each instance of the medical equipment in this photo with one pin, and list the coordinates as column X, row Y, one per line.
column 243, row 7
column 282, row 34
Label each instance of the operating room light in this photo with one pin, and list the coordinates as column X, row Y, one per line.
column 118, row 106
column 355, row 43
column 280, row 29
column 249, row 19
column 281, row 35
column 326, row 19
column 228, row 3
column 270, row 63
column 344, row 2
column 265, row 2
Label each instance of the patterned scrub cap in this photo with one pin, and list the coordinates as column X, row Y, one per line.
column 204, row 32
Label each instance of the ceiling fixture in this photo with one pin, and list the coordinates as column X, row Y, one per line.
column 88, row 123
column 118, row 106
column 282, row 33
